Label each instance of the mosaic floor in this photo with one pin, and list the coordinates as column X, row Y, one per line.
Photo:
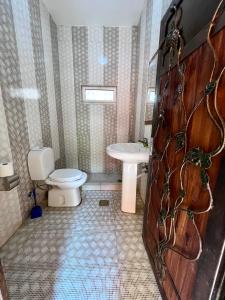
column 88, row 252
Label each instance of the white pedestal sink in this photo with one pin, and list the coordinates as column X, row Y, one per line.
column 131, row 154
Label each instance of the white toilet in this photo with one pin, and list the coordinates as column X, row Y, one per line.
column 65, row 183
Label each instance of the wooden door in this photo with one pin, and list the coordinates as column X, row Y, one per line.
column 184, row 222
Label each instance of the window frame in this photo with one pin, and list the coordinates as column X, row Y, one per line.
column 84, row 88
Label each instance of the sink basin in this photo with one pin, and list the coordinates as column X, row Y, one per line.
column 131, row 154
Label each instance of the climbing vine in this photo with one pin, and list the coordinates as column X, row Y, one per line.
column 167, row 230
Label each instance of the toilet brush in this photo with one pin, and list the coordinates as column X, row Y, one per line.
column 36, row 211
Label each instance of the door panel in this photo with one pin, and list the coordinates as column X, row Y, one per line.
column 184, row 180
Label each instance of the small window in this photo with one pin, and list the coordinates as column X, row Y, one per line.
column 93, row 94
column 151, row 95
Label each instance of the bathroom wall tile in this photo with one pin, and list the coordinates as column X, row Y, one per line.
column 92, row 187
column 29, row 91
column 5, row 150
column 40, row 72
column 110, row 137
column 56, row 70
column 149, row 111
column 111, row 187
column 80, row 61
column 10, row 215
column 111, row 54
column 154, row 42
column 14, row 106
column 149, row 27
column 100, row 55
column 134, row 77
column 123, row 91
column 95, row 55
column 102, row 177
column 149, row 41
column 97, row 138
column 68, row 95
column 145, row 70
column 48, row 62
column 95, row 77
column 139, row 101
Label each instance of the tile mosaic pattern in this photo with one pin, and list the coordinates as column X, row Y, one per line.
column 111, row 53
column 29, row 92
column 13, row 105
column 95, row 55
column 5, row 150
column 10, row 215
column 134, row 78
column 97, row 138
column 48, row 62
column 87, row 252
column 149, row 111
column 139, row 100
column 67, row 82
column 95, row 77
column 41, row 80
column 61, row 163
column 145, row 70
column 123, row 90
column 80, row 63
column 101, row 56
column 149, row 27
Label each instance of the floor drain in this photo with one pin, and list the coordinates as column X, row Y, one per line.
column 104, row 203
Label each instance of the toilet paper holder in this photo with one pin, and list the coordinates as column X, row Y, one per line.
column 9, row 182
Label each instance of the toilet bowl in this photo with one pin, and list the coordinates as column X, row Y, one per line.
column 65, row 183
column 65, row 187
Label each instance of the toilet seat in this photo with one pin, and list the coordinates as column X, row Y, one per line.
column 66, row 175
column 67, row 180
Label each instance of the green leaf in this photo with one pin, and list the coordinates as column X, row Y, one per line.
column 162, row 215
column 210, row 87
column 204, row 177
column 172, row 213
column 182, row 193
column 190, row 214
column 180, row 140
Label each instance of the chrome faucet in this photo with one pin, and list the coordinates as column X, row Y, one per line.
column 144, row 142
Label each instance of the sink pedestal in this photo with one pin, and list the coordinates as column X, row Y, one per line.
column 129, row 187
column 131, row 154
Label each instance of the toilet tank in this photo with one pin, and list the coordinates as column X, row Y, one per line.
column 41, row 163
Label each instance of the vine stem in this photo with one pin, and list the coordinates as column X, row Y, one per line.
column 165, row 244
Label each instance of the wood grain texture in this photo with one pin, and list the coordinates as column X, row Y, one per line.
column 181, row 275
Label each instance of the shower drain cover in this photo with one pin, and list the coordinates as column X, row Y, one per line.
column 104, row 203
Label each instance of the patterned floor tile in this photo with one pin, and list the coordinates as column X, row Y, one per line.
column 131, row 247
column 87, row 252
column 80, row 283
column 138, row 285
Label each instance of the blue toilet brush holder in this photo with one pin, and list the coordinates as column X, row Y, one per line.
column 36, row 211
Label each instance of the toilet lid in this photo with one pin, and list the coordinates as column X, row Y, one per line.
column 66, row 175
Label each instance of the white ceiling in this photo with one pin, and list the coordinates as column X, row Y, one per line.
column 95, row 12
